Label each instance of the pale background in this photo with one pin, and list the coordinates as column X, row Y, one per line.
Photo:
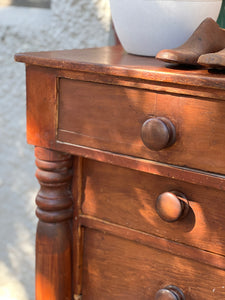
column 67, row 24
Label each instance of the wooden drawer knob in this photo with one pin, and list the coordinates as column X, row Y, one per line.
column 172, row 206
column 169, row 293
column 158, row 133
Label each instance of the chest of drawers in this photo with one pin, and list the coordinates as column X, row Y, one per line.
column 130, row 160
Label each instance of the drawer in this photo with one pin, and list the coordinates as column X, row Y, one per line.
column 115, row 268
column 112, row 118
column 127, row 197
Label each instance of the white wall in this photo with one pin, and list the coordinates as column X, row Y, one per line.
column 68, row 24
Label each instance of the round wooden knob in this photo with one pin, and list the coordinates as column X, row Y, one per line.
column 172, row 206
column 158, row 133
column 169, row 293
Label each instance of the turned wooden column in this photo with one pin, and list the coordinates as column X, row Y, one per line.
column 54, row 236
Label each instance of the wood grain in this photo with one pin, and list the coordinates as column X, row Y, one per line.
column 110, row 118
column 181, row 173
column 128, row 198
column 54, row 234
column 77, row 228
column 178, row 249
column 41, row 106
column 115, row 61
column 99, row 235
column 154, row 84
column 115, row 268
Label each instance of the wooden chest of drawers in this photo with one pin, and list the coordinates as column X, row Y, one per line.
column 130, row 159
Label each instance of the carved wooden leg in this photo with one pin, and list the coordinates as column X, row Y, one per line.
column 54, row 237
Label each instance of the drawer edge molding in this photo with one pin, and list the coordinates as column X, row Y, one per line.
column 148, row 166
column 152, row 241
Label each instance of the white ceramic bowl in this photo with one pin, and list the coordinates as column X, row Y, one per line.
column 145, row 27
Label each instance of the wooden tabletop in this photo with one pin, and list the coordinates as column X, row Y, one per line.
column 115, row 61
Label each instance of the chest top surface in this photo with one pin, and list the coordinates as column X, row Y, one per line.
column 115, row 61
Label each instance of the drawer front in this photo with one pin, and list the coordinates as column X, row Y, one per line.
column 111, row 118
column 127, row 197
column 114, row 268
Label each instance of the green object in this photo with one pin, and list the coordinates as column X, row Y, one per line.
column 221, row 18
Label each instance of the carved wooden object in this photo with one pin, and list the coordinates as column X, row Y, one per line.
column 172, row 206
column 158, row 133
column 54, row 231
column 131, row 163
column 207, row 38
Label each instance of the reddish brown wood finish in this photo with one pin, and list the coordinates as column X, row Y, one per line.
column 115, row 268
column 158, row 133
column 150, row 240
column 77, row 229
column 41, row 106
column 110, row 243
column 54, row 235
column 115, row 61
column 172, row 206
column 42, row 124
column 128, row 198
column 111, row 118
